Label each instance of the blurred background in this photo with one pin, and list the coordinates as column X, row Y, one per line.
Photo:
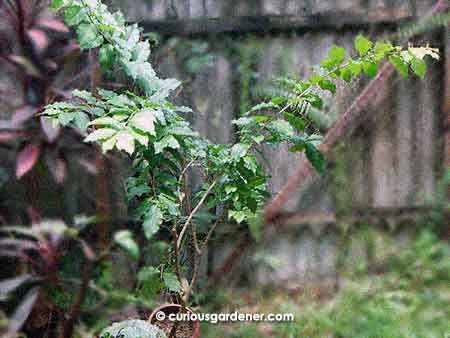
column 361, row 252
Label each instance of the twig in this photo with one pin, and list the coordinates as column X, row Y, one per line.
column 192, row 214
column 68, row 326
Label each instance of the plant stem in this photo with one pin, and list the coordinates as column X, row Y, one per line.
column 192, row 214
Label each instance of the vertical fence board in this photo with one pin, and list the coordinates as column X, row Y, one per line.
column 406, row 103
column 426, row 117
column 383, row 158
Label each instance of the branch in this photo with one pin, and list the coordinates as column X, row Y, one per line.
column 343, row 125
column 75, row 309
column 197, row 208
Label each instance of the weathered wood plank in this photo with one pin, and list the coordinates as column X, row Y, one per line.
column 446, row 100
column 406, row 103
column 426, row 145
column 267, row 24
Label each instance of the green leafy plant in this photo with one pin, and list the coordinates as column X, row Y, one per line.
column 163, row 147
column 143, row 123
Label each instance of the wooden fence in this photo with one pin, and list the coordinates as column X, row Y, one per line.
column 394, row 158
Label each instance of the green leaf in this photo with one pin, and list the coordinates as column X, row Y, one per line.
column 362, row 45
column 370, row 68
column 239, row 150
column 65, row 118
column 57, row 4
column 355, row 68
column 138, row 191
column 124, row 239
column 238, row 215
column 419, row 67
column 315, row 157
column 400, row 65
column 346, row 74
column 299, row 146
column 382, row 49
column 294, row 121
column 100, row 134
column 152, row 221
column 84, row 95
column 88, row 36
column 144, row 120
column 125, row 141
column 147, row 273
column 109, row 144
column 337, row 54
column 230, row 189
column 166, row 142
column 171, row 281
column 281, row 129
column 106, row 57
column 81, row 120
column 106, row 121
column 73, row 15
column 328, row 85
column 132, row 328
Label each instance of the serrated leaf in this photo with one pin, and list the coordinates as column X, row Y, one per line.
column 152, row 221
column 362, row 45
column 327, row 85
column 144, row 120
column 125, row 142
column 109, row 144
column 239, row 150
column 88, row 37
column 337, row 54
column 100, row 134
column 400, row 65
column 133, row 328
column 370, row 68
column 73, row 15
column 315, row 157
column 419, row 67
column 166, row 142
column 383, row 48
column 105, row 121
column 355, row 68
column 85, row 95
column 294, row 121
column 124, row 239
column 81, row 120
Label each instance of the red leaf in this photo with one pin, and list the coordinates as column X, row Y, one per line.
column 54, row 25
column 50, row 131
column 39, row 39
column 26, row 159
column 6, row 136
column 22, row 114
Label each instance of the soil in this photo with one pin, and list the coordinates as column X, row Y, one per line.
column 182, row 329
